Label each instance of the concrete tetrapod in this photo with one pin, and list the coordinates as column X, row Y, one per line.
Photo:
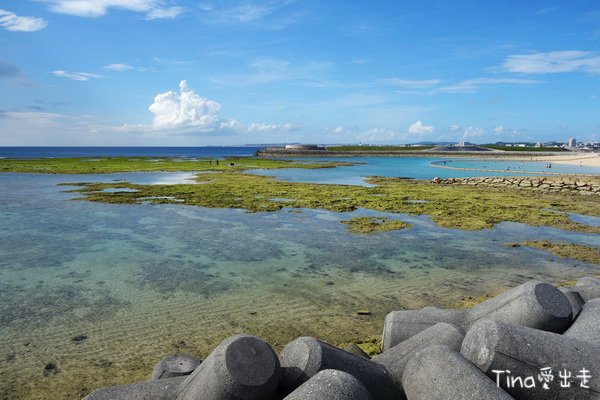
column 534, row 304
column 357, row 351
column 331, row 384
column 304, row 357
column 242, row 367
column 522, row 360
column 175, row 365
column 396, row 358
column 402, row 325
column 575, row 299
column 442, row 373
column 162, row 389
column 587, row 325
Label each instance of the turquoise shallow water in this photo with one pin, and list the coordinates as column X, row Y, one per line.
column 141, row 281
column 422, row 168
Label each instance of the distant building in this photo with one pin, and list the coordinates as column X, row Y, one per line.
column 572, row 142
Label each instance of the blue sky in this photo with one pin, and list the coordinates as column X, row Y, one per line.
column 177, row 72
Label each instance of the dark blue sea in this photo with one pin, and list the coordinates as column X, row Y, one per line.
column 55, row 152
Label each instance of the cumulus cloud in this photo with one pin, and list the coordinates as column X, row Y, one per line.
column 186, row 109
column 472, row 85
column 153, row 9
column 419, row 128
column 499, row 130
column 454, row 127
column 259, row 127
column 12, row 22
column 553, row 62
column 76, row 76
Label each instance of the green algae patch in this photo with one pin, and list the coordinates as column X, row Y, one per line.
column 374, row 224
column 106, row 165
column 370, row 345
column 458, row 207
column 579, row 252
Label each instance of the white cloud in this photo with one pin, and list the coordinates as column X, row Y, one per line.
column 266, row 13
column 186, row 109
column 76, row 76
column 12, row 22
column 153, row 9
column 553, row 62
column 472, row 85
column 499, row 130
column 165, row 13
column 472, row 132
column 339, row 129
column 119, row 67
column 360, row 61
column 454, row 127
column 412, row 84
column 259, row 127
column 419, row 128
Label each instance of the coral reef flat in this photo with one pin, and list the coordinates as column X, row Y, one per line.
column 94, row 293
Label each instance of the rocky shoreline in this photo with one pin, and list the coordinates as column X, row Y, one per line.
column 586, row 185
column 535, row 341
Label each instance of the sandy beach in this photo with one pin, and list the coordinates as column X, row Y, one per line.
column 584, row 159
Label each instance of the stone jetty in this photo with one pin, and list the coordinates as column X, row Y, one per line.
column 532, row 342
column 583, row 184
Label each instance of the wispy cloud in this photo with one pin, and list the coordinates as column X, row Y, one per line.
column 12, row 22
column 553, row 62
column 270, row 70
column 472, row 85
column 268, row 14
column 259, row 127
column 76, row 76
column 472, row 132
column 412, row 84
column 165, row 13
column 119, row 67
column 153, row 9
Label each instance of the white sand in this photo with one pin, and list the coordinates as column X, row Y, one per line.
column 584, row 159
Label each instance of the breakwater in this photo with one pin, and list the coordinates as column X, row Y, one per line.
column 534, row 341
column 586, row 185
